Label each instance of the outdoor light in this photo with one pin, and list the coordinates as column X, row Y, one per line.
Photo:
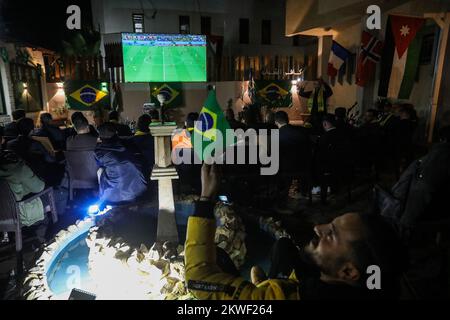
column 104, row 86
column 294, row 82
column 93, row 210
column 25, row 86
column 60, row 85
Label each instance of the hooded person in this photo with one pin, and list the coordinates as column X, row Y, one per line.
column 121, row 177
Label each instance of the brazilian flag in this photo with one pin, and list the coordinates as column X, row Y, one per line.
column 87, row 95
column 172, row 92
column 211, row 123
column 274, row 93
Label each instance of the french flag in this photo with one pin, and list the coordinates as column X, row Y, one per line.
column 338, row 56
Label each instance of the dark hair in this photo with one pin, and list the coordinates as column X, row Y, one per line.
column 107, row 131
column 380, row 246
column 18, row 114
column 45, row 118
column 113, row 115
column 80, row 122
column 340, row 112
column 75, row 115
column 331, row 118
column 25, row 126
column 143, row 123
column 191, row 118
column 154, row 114
column 281, row 117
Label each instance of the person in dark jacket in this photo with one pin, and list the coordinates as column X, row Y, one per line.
column 70, row 132
column 295, row 155
column 143, row 141
column 11, row 130
column 404, row 136
column 369, row 140
column 83, row 140
column 331, row 157
column 121, row 177
column 35, row 155
column 122, row 129
column 430, row 183
column 52, row 132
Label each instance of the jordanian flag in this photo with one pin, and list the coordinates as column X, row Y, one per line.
column 210, row 129
column 400, row 58
column 172, row 92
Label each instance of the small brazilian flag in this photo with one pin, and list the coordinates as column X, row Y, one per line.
column 210, row 129
column 85, row 95
column 172, row 92
column 274, row 93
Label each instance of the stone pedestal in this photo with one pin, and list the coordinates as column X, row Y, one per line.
column 164, row 172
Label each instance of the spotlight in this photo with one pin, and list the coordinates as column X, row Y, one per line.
column 25, row 86
column 294, row 82
column 93, row 210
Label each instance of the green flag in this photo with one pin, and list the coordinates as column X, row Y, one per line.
column 209, row 137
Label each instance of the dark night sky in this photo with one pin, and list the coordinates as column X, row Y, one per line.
column 40, row 23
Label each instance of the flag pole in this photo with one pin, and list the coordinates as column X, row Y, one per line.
column 437, row 81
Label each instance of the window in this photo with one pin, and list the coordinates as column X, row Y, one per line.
column 184, row 25
column 244, row 30
column 266, row 33
column 205, row 25
column 27, row 88
column 138, row 23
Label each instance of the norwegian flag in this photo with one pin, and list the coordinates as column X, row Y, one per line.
column 368, row 58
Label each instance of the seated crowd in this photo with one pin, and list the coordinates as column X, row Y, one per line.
column 320, row 159
column 109, row 159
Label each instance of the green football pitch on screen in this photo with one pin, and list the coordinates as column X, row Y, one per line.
column 164, row 58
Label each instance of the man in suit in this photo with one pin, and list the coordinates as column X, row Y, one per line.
column 331, row 157
column 52, row 132
column 122, row 129
column 295, row 155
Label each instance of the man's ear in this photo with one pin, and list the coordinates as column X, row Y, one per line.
column 348, row 272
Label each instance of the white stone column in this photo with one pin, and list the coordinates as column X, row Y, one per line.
column 164, row 172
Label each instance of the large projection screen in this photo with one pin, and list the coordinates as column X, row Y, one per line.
column 164, row 57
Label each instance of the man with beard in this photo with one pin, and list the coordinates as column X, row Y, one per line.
column 332, row 266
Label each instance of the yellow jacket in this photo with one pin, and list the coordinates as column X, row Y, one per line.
column 206, row 281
